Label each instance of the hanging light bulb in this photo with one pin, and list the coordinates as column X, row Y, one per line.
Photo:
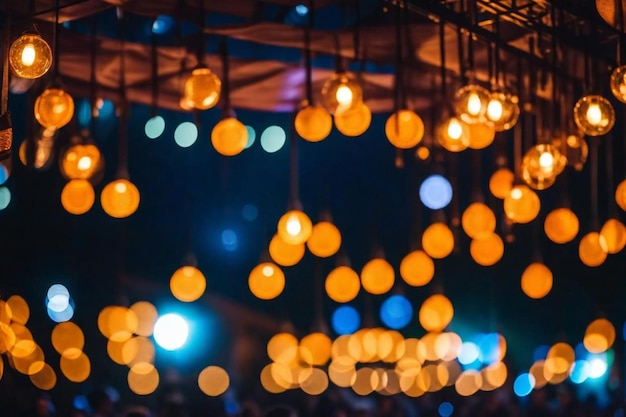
column 78, row 196
column 541, row 165
column 120, row 198
column 522, row 205
column 81, row 161
column 404, row 129
column 503, row 110
column 54, row 108
column 355, row 122
column 481, row 135
column 30, row 56
column 202, row 89
column 470, row 103
column 453, row 134
column 313, row 123
column 6, row 135
column 341, row 93
column 618, row 83
column 229, row 136
column 620, row 195
column 295, row 227
column 594, row 115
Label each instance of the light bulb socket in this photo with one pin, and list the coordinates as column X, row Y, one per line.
column 6, row 135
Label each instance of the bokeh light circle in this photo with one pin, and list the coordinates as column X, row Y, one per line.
column 171, row 331
column 436, row 192
column 273, row 139
column 345, row 320
column 155, row 127
column 396, row 312
column 186, row 134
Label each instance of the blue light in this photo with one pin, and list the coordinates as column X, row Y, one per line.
column 84, row 113
column 489, row 346
column 81, row 403
column 345, row 320
column 5, row 197
column 581, row 351
column 469, row 353
column 540, row 352
column 186, row 134
column 251, row 136
column 229, row 240
column 4, row 174
column 446, row 409
column 106, row 109
column 58, row 298
column 162, row 24
column 273, row 139
column 396, row 312
column 435, row 192
column 155, row 127
column 597, row 367
column 302, row 10
column 523, row 385
column 250, row 212
column 580, row 372
column 62, row 316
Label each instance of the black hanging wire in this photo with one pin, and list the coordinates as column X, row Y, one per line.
column 619, row 19
column 470, row 39
column 408, row 47
column 93, row 86
column 227, row 110
column 595, row 219
column 6, row 129
column 154, row 75
column 461, row 56
column 308, row 58
column 521, row 128
column 123, row 132
column 553, row 67
column 201, row 38
column 496, row 53
column 399, row 52
column 608, row 163
column 442, row 54
column 55, row 39
column 294, row 185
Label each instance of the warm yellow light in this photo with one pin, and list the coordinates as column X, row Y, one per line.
column 213, row 381
column 81, row 161
column 594, row 115
column 315, row 349
column 575, row 150
column 546, row 161
column 561, row 225
column 474, row 104
column 313, row 123
column 470, row 103
column 599, row 336
column 120, row 198
column 453, row 134
column 436, row 313
column 325, row 240
column 590, row 250
column 341, row 93
column 494, row 110
column 342, row 284
column 266, row 281
column 285, row 254
column 423, row 153
column 404, row 129
column 295, row 227
column 501, row 183
column 417, row 268
column 478, row 220
column 541, row 165
column 355, row 122
column 78, row 197
column 481, row 135
column 620, row 195
column 202, row 89
column 438, row 240
column 30, row 56
column 613, row 236
column 229, row 136
column 618, row 83
column 503, row 110
column 487, row 250
column 536, row 280
column 187, row 284
column 377, row 276
column 54, row 108
column 522, row 205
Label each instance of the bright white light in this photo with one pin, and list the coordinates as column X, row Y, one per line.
column 84, row 163
column 469, row 353
column 546, row 161
column 594, row 115
column 344, row 96
column 516, row 193
column 597, row 368
column 268, row 271
column 61, row 316
column 28, row 55
column 455, row 130
column 58, row 298
column 293, row 226
column 120, row 188
column 171, row 331
column 579, row 372
column 494, row 110
column 473, row 104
